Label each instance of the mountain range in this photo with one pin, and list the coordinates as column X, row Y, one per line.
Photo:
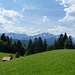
column 50, row 38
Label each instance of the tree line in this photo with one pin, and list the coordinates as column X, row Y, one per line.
column 64, row 42
column 36, row 46
column 7, row 46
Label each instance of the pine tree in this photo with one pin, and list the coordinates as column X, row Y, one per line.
column 68, row 44
column 3, row 37
column 45, row 45
column 55, row 45
column 65, row 37
column 35, row 45
column 20, row 48
column 30, row 48
column 71, row 43
column 61, row 42
column 40, row 45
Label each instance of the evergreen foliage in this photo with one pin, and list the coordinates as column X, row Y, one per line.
column 63, row 42
column 35, row 46
column 45, row 45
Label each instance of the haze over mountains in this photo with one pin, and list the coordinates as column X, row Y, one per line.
column 50, row 38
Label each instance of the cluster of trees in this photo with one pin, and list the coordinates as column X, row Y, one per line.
column 7, row 46
column 63, row 42
column 35, row 46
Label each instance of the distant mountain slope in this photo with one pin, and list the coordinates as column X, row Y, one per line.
column 50, row 38
column 18, row 36
column 25, row 38
column 44, row 35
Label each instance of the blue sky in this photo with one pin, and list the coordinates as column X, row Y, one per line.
column 37, row 16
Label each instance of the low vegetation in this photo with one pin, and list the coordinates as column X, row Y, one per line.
column 57, row 62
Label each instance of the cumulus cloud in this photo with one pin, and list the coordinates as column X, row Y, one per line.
column 69, row 8
column 70, row 14
column 8, row 19
column 66, row 3
column 8, row 16
column 61, row 29
column 45, row 18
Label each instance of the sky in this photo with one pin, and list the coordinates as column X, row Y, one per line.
column 33, row 17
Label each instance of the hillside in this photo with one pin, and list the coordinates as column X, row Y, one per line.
column 57, row 62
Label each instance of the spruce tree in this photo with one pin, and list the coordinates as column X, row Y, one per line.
column 65, row 37
column 61, row 42
column 3, row 37
column 45, row 45
column 30, row 47
column 35, row 45
column 55, row 45
column 71, row 43
column 40, row 45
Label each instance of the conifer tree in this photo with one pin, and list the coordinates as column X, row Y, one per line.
column 45, row 45
column 40, row 45
column 3, row 37
column 30, row 47
column 65, row 37
column 35, row 44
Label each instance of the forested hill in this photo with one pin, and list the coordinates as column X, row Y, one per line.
column 37, row 45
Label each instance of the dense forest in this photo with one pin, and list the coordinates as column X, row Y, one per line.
column 36, row 46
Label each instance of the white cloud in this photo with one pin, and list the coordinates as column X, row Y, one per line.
column 70, row 14
column 69, row 8
column 8, row 16
column 66, row 2
column 45, row 19
column 8, row 19
column 32, row 31
column 21, row 30
column 61, row 29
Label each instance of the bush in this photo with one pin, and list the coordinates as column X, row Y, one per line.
column 17, row 55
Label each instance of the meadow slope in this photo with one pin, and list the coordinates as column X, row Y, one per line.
column 57, row 62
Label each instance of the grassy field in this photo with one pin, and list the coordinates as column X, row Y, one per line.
column 57, row 62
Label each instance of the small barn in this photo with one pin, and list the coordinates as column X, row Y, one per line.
column 6, row 58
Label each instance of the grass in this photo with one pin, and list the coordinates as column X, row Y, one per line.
column 57, row 62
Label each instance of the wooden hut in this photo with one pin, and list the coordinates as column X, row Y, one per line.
column 6, row 58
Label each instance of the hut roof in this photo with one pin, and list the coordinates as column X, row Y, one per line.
column 6, row 58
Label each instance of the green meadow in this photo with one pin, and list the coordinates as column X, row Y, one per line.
column 56, row 62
